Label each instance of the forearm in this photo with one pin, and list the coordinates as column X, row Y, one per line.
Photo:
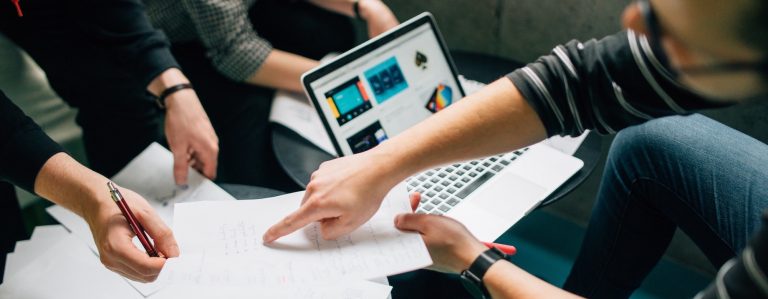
column 494, row 120
column 505, row 280
column 66, row 182
column 340, row 6
column 368, row 9
column 282, row 70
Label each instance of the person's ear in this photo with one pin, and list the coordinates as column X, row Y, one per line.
column 633, row 19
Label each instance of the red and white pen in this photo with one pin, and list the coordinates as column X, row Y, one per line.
column 506, row 249
column 132, row 221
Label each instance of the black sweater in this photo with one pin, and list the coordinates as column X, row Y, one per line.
column 120, row 28
column 24, row 147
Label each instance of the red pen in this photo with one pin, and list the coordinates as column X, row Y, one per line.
column 132, row 222
column 18, row 7
column 507, row 249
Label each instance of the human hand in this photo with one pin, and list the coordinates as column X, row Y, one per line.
column 190, row 136
column 378, row 16
column 114, row 237
column 452, row 247
column 342, row 195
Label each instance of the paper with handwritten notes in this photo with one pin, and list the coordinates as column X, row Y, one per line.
column 221, row 244
column 150, row 175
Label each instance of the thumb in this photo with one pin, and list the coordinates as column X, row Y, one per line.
column 412, row 222
column 165, row 242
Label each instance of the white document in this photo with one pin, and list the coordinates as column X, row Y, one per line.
column 150, row 174
column 567, row 145
column 294, row 111
column 221, row 243
column 43, row 238
column 355, row 289
column 66, row 270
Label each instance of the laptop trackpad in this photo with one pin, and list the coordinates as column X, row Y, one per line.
column 509, row 196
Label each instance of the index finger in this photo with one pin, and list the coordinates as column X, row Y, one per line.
column 306, row 214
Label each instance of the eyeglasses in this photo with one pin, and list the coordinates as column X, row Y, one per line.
column 654, row 38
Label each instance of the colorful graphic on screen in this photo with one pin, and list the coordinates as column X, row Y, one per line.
column 348, row 100
column 386, row 80
column 367, row 138
column 442, row 97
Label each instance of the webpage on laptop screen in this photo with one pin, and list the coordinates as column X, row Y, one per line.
column 384, row 92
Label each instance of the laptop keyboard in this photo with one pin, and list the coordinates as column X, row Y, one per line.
column 443, row 188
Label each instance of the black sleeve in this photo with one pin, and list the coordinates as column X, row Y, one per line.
column 744, row 276
column 602, row 85
column 123, row 28
column 24, row 147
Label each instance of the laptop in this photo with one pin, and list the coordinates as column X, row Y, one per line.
column 396, row 80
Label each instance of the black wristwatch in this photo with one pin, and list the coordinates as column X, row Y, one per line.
column 472, row 278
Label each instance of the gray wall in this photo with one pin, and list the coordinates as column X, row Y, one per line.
column 523, row 30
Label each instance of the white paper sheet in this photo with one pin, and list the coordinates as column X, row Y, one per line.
column 221, row 244
column 294, row 111
column 43, row 238
column 567, row 145
column 66, row 270
column 355, row 289
column 150, row 174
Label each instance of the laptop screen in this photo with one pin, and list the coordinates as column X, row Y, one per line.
column 389, row 88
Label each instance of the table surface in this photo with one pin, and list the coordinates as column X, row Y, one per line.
column 299, row 157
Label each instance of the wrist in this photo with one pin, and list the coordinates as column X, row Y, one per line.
column 170, row 97
column 166, row 79
column 468, row 256
column 390, row 165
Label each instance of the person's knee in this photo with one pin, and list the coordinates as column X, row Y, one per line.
column 675, row 135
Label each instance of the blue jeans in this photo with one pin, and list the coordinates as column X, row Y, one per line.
column 689, row 172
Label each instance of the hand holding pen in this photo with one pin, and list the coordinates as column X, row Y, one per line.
column 113, row 233
column 132, row 221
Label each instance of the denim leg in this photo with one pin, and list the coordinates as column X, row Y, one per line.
column 689, row 172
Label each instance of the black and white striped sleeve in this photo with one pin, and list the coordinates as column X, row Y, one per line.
column 603, row 85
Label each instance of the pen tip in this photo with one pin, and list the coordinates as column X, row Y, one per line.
column 110, row 185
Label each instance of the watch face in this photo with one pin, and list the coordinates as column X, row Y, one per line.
column 472, row 286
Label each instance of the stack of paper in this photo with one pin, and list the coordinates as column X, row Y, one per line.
column 221, row 251
column 150, row 174
column 222, row 245
column 55, row 264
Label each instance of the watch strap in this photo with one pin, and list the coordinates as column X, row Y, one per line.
column 484, row 261
column 478, row 268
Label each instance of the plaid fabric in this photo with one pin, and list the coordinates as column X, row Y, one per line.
column 222, row 26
